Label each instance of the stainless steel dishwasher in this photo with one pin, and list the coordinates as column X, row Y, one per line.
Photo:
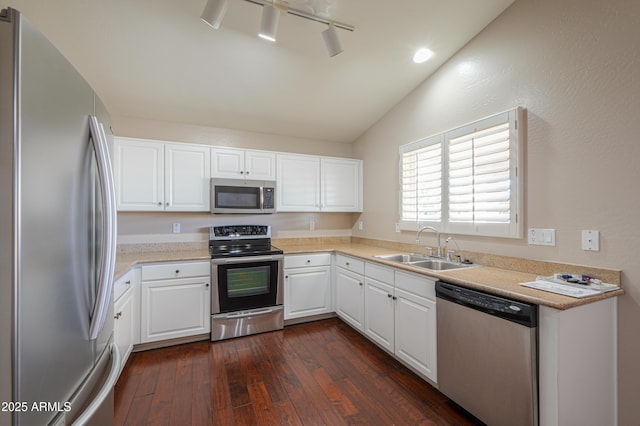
column 487, row 354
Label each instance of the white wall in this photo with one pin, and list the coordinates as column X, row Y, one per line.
column 573, row 64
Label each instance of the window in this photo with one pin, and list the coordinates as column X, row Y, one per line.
column 467, row 180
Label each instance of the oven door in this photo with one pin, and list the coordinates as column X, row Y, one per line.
column 242, row 283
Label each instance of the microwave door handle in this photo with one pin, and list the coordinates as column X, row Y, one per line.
column 107, row 261
column 261, row 198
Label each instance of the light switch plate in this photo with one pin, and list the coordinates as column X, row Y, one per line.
column 542, row 237
column 591, row 240
column 175, row 228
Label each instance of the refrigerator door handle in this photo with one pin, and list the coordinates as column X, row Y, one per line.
column 108, row 259
column 97, row 401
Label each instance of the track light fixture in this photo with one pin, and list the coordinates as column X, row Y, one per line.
column 331, row 40
column 213, row 12
column 269, row 22
column 215, row 9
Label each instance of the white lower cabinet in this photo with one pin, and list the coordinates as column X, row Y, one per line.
column 175, row 301
column 415, row 323
column 379, row 313
column 126, row 324
column 350, row 291
column 400, row 316
column 307, row 285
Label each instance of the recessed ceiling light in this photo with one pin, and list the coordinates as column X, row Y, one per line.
column 422, row 55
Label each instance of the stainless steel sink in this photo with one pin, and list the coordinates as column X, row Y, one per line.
column 403, row 258
column 421, row 261
column 439, row 265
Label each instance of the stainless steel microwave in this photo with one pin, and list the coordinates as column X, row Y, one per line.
column 243, row 196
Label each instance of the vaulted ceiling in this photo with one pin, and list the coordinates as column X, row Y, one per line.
column 155, row 59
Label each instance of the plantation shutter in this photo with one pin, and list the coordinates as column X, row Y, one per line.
column 466, row 180
column 479, row 179
column 421, row 181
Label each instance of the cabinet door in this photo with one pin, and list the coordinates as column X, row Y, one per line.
column 341, row 185
column 227, row 163
column 174, row 308
column 139, row 175
column 187, row 171
column 307, row 291
column 124, row 324
column 415, row 332
column 350, row 298
column 298, row 183
column 379, row 313
column 260, row 165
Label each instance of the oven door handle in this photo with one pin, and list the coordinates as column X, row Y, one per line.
column 247, row 259
column 249, row 314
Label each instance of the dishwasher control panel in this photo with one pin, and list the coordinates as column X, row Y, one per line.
column 509, row 309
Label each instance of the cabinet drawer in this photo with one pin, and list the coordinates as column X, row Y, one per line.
column 303, row 260
column 175, row 270
column 123, row 284
column 416, row 284
column 350, row 264
column 379, row 273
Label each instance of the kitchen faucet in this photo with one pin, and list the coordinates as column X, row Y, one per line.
column 432, row 229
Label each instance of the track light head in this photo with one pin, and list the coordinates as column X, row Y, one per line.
column 331, row 40
column 269, row 22
column 213, row 12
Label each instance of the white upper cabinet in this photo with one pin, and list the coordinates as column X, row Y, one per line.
column 298, row 187
column 159, row 176
column 187, row 177
column 310, row 183
column 139, row 175
column 240, row 163
column 169, row 176
column 341, row 185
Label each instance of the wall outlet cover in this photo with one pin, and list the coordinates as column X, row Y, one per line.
column 591, row 240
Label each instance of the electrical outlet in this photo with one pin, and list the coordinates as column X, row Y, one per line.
column 397, row 227
column 312, row 225
column 360, row 225
column 176, row 228
column 542, row 237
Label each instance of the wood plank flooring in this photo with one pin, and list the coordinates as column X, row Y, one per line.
column 320, row 373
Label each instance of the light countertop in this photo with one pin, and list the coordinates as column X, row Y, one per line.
column 505, row 282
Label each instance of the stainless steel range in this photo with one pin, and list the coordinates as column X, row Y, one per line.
column 246, row 274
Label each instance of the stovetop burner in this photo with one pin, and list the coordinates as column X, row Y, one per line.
column 240, row 241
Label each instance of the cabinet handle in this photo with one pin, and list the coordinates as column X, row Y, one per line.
column 159, row 203
column 347, row 263
column 286, row 276
column 308, row 261
column 166, row 204
column 247, row 172
column 241, row 172
column 177, row 271
column 128, row 282
column 118, row 315
column 395, row 298
column 206, row 285
column 360, row 284
column 389, row 296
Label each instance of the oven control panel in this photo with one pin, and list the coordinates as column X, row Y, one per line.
column 238, row 232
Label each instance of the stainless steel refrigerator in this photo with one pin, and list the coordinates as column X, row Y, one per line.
column 58, row 363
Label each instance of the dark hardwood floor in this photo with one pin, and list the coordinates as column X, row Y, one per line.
column 320, row 373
